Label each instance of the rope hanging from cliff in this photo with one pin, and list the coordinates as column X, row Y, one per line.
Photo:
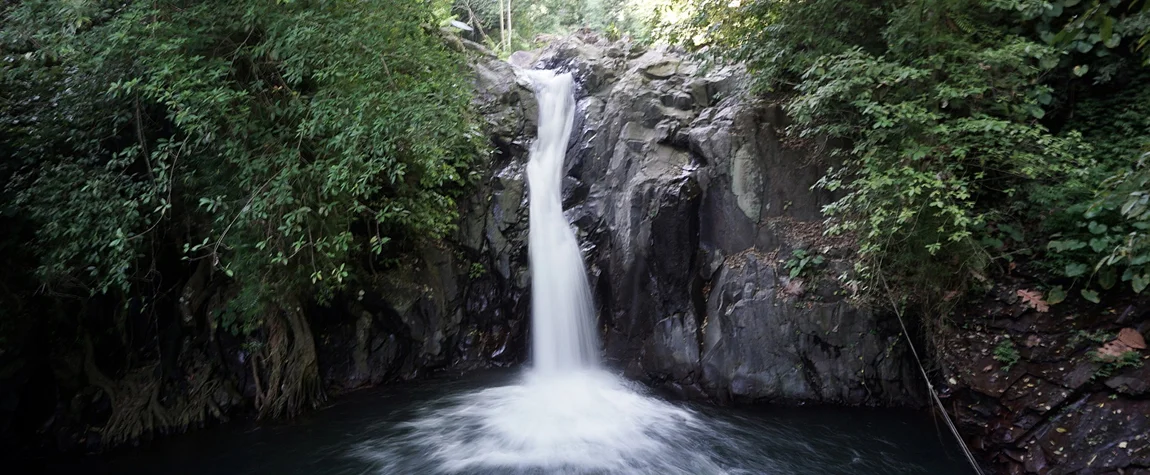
column 929, row 386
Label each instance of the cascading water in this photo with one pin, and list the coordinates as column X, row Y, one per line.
column 566, row 415
column 562, row 317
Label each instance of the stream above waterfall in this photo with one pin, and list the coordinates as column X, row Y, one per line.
column 365, row 433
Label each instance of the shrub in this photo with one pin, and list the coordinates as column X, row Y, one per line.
column 1006, row 354
column 953, row 120
column 280, row 141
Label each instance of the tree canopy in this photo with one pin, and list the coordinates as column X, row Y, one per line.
column 280, row 146
column 510, row 25
column 979, row 134
column 278, row 140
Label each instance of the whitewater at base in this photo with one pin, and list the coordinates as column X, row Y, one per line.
column 562, row 415
column 565, row 415
column 581, row 422
column 592, row 422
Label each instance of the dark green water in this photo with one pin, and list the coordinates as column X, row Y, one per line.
column 371, row 432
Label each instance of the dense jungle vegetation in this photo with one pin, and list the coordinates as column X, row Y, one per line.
column 181, row 173
column 282, row 151
column 152, row 149
column 980, row 135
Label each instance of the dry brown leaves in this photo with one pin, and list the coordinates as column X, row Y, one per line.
column 1128, row 340
column 1033, row 299
column 1130, row 337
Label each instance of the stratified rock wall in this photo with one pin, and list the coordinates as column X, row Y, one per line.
column 688, row 205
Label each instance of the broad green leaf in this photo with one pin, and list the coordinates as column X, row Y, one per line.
column 1099, row 244
column 1107, row 277
column 1075, row 270
column 1139, row 282
column 1090, row 295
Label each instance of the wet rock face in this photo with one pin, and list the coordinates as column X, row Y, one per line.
column 424, row 315
column 759, row 341
column 688, row 206
column 1029, row 394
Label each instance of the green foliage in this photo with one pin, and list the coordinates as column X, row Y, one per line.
column 778, row 41
column 1125, row 199
column 283, row 141
column 1112, row 243
column 1102, row 239
column 530, row 18
column 1115, row 119
column 1097, row 36
column 477, row 270
column 1109, row 366
column 1097, row 336
column 1007, row 354
column 953, row 115
column 802, row 263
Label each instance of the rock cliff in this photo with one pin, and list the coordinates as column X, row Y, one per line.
column 713, row 280
column 692, row 213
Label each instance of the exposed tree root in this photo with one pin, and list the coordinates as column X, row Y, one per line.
column 289, row 360
column 135, row 400
column 286, row 376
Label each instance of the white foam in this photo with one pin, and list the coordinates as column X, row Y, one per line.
column 566, row 415
column 587, row 421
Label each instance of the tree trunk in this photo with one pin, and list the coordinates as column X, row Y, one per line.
column 510, row 30
column 293, row 381
column 135, row 409
column 502, row 27
column 135, row 399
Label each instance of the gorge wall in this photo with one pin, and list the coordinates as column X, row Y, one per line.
column 689, row 206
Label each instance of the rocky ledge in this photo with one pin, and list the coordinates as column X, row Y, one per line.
column 1033, row 394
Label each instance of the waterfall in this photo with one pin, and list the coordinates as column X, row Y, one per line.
column 566, row 415
column 562, row 316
